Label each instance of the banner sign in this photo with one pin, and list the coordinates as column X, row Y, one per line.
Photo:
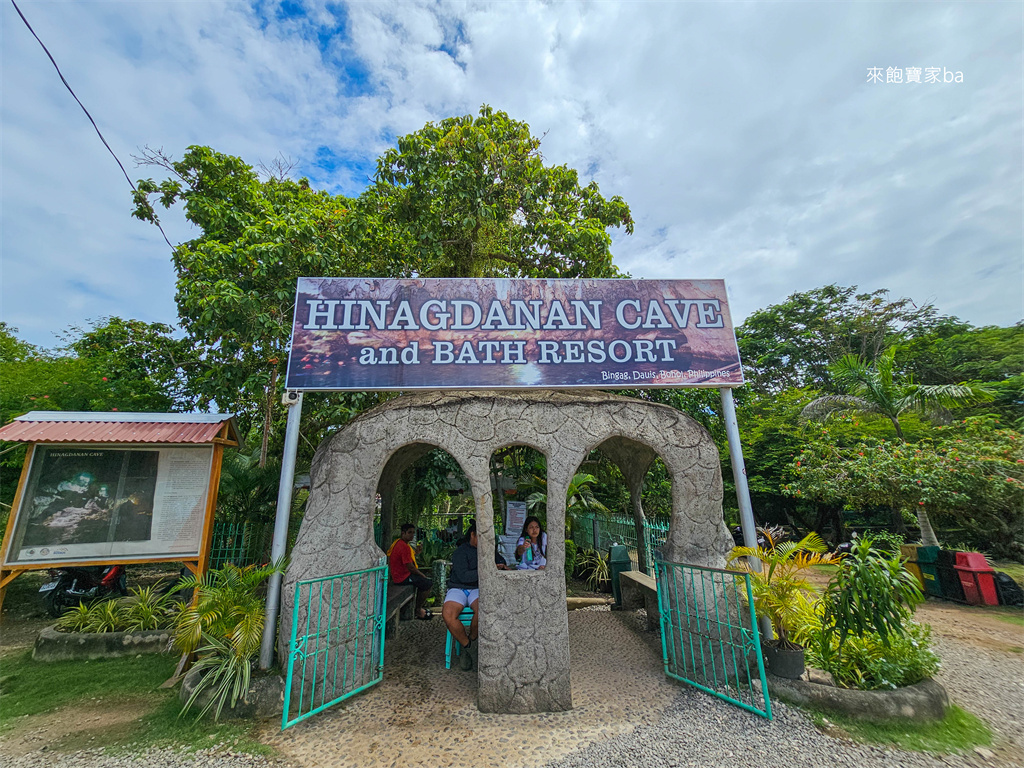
column 515, row 517
column 85, row 503
column 377, row 334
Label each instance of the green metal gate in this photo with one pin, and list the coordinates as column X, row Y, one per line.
column 337, row 644
column 709, row 634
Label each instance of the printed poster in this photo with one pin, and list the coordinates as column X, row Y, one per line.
column 98, row 503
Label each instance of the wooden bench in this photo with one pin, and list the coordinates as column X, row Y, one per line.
column 401, row 602
column 639, row 590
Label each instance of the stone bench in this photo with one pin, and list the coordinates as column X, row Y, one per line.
column 639, row 590
column 400, row 606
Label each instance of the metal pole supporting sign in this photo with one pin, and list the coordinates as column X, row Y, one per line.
column 293, row 401
column 739, row 476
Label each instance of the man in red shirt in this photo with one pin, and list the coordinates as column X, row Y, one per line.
column 402, row 565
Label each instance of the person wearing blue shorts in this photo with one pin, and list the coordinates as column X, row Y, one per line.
column 463, row 590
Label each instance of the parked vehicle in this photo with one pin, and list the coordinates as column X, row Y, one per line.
column 765, row 535
column 70, row 586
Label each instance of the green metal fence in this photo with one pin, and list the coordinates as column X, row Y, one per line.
column 337, row 643
column 709, row 633
column 241, row 544
column 600, row 532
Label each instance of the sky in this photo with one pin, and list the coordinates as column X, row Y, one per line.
column 777, row 146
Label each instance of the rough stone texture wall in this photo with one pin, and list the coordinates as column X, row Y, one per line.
column 524, row 636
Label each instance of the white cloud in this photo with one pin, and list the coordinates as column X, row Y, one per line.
column 744, row 136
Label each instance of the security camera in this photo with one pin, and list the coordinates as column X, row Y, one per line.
column 290, row 397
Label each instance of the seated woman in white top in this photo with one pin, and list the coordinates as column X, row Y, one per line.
column 532, row 548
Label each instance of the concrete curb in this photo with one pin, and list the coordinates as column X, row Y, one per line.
column 575, row 603
column 922, row 702
column 52, row 645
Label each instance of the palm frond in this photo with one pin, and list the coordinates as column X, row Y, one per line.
column 828, row 405
column 925, row 397
column 849, row 371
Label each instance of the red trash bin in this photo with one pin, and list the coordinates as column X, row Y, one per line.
column 977, row 578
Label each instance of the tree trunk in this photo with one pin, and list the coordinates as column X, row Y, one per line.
column 896, row 522
column 639, row 524
column 928, row 538
column 838, row 527
column 268, row 417
column 800, row 523
column 899, row 429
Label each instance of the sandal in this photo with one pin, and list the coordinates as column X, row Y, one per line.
column 427, row 615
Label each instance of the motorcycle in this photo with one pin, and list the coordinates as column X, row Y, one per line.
column 70, row 586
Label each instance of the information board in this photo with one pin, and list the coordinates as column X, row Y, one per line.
column 85, row 503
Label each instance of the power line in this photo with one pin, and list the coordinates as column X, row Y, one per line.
column 75, row 97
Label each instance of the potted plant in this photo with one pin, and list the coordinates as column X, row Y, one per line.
column 781, row 593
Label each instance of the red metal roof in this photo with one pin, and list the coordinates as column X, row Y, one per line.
column 102, row 431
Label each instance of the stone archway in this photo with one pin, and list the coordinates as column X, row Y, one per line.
column 524, row 635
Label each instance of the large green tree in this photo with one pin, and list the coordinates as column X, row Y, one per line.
column 145, row 366
column 953, row 352
column 472, row 197
column 792, row 344
column 236, row 281
column 116, row 364
column 969, row 475
column 466, row 197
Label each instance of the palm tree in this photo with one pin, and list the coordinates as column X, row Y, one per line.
column 876, row 390
column 780, row 587
column 579, row 498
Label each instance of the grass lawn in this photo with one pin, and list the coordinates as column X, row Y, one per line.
column 958, row 732
column 1009, row 614
column 27, row 689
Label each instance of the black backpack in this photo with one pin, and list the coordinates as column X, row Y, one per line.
column 1009, row 590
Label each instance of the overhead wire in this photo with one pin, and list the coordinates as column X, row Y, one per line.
column 86, row 111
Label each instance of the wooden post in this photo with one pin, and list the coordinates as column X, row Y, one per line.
column 7, row 575
column 211, row 508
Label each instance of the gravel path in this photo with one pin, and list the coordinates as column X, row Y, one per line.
column 698, row 730
column 626, row 714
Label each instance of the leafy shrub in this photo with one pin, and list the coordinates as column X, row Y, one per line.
column 593, row 569
column 887, row 541
column 145, row 608
column 77, row 619
column 861, row 631
column 224, row 627
column 869, row 593
column 435, row 549
column 780, row 589
column 106, row 616
column 869, row 663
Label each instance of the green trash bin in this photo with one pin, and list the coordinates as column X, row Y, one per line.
column 618, row 561
column 927, row 558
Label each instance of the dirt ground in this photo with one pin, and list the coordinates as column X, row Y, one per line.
column 996, row 630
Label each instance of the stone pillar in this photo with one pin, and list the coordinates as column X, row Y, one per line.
column 524, row 621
